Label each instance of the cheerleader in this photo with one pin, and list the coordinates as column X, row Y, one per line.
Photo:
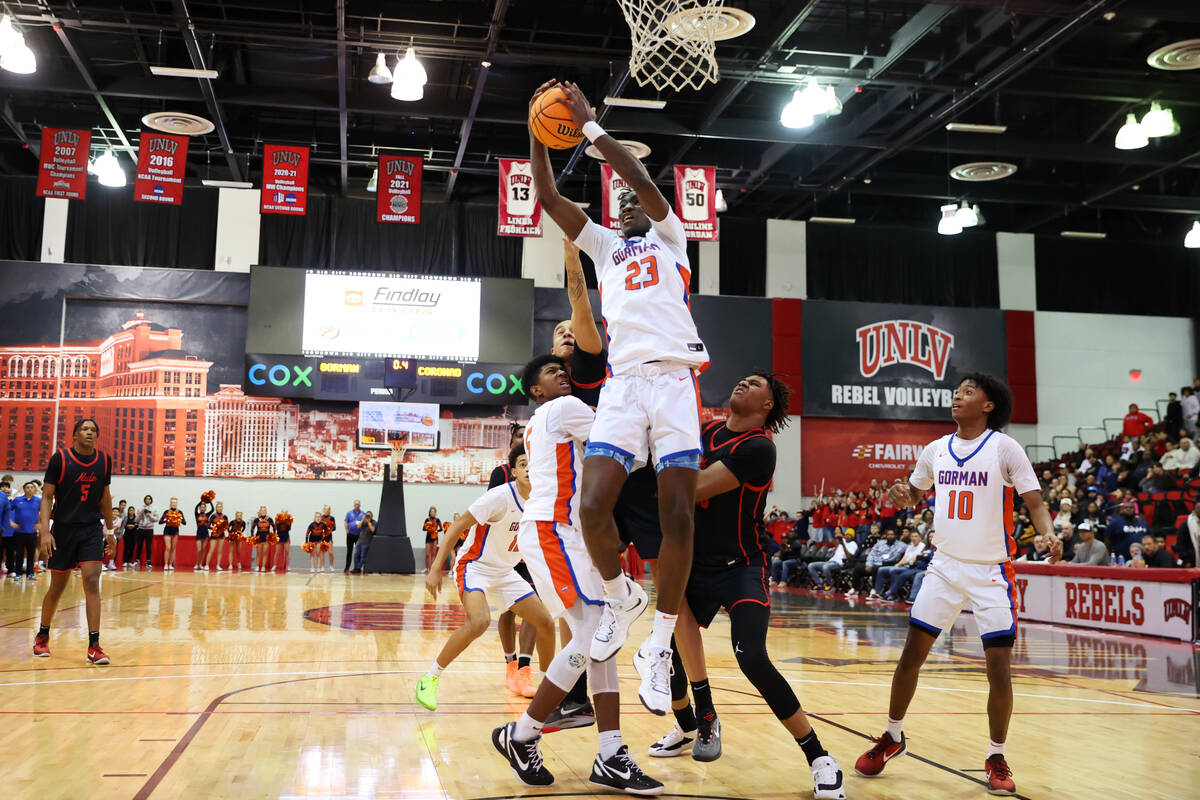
column 203, row 513
column 433, row 528
column 283, row 536
column 312, row 541
column 171, row 520
column 326, row 547
column 237, row 535
column 219, row 526
column 263, row 529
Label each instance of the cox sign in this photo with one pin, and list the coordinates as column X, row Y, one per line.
column 279, row 375
column 496, row 383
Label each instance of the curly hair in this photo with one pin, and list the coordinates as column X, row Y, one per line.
column 781, row 393
column 533, row 371
column 998, row 392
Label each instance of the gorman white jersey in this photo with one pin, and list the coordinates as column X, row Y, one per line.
column 493, row 542
column 644, row 295
column 554, row 443
column 973, row 505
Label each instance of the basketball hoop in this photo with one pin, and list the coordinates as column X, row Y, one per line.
column 397, row 459
column 674, row 41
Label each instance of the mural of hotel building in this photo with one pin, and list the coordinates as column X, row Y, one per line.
column 247, row 437
column 145, row 392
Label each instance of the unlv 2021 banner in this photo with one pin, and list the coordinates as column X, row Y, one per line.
column 845, row 455
column 888, row 361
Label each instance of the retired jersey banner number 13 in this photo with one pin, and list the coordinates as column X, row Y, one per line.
column 696, row 201
column 520, row 211
column 399, row 194
column 285, row 180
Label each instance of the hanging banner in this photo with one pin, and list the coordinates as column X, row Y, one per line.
column 399, row 195
column 162, row 161
column 611, row 185
column 285, row 180
column 520, row 211
column 696, row 201
column 64, row 159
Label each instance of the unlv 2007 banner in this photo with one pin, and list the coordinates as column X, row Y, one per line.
column 887, row 361
column 63, row 168
column 696, row 201
column 852, row 454
column 162, row 161
column 285, row 180
column 399, row 190
column 611, row 186
column 520, row 211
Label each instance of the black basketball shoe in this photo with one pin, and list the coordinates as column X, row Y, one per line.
column 622, row 773
column 524, row 757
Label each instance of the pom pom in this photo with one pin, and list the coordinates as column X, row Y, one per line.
column 325, row 546
column 208, row 496
column 308, row 547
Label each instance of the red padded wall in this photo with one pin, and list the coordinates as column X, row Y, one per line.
column 1022, row 364
column 786, row 353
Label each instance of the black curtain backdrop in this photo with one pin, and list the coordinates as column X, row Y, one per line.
column 1117, row 277
column 110, row 228
column 22, row 212
column 895, row 265
column 743, row 251
column 341, row 233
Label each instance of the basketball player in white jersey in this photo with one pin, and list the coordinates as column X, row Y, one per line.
column 552, row 545
column 483, row 572
column 976, row 471
column 649, row 408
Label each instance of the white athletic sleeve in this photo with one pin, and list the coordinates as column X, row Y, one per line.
column 1015, row 467
column 491, row 506
column 596, row 241
column 570, row 417
column 922, row 474
column 671, row 229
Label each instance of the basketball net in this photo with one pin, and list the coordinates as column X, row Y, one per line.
column 673, row 44
column 397, row 459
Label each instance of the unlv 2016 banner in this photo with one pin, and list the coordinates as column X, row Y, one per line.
column 696, row 201
column 162, row 159
column 611, row 186
column 851, row 454
column 285, row 180
column 888, row 361
column 63, row 168
column 399, row 195
column 520, row 211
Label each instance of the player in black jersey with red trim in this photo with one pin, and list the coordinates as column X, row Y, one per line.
column 730, row 566
column 76, row 496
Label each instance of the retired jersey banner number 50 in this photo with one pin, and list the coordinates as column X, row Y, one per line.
column 696, row 201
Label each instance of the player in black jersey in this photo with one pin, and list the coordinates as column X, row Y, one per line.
column 76, row 497
column 730, row 564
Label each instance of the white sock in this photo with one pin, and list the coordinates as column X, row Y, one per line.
column 610, row 743
column 894, row 728
column 995, row 748
column 435, row 670
column 527, row 728
column 617, row 588
column 510, row 657
column 664, row 628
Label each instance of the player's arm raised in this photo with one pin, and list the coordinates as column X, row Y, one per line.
column 587, row 335
column 621, row 160
column 565, row 213
column 433, row 581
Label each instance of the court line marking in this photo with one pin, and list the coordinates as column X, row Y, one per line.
column 77, row 605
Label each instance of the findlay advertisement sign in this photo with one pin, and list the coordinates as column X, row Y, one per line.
column 887, row 361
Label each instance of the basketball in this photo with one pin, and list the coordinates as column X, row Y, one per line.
column 551, row 122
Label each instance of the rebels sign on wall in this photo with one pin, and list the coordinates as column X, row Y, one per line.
column 889, row 361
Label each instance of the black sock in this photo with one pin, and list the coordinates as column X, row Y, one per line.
column 94, row 639
column 679, row 679
column 811, row 746
column 702, row 695
column 523, row 662
column 44, row 631
column 686, row 718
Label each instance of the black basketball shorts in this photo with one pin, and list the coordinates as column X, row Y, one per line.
column 645, row 536
column 75, row 545
column 710, row 590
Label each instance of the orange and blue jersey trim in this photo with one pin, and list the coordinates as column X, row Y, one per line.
column 562, row 572
column 473, row 554
column 1008, row 572
column 564, row 456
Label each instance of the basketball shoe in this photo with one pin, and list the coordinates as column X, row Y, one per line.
column 999, row 776
column 886, row 748
column 827, row 779
column 96, row 656
column 675, row 743
column 510, row 677
column 524, row 757
column 569, row 715
column 615, row 620
column 525, row 686
column 41, row 646
column 654, row 668
column 622, row 773
column 708, row 740
column 427, row 688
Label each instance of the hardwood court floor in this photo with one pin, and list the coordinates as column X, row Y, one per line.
column 299, row 686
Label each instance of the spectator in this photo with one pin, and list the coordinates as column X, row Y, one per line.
column 916, row 572
column 1136, row 423
column 1065, row 515
column 1038, row 551
column 131, row 535
column 884, row 552
column 1158, row 480
column 1089, row 463
column 1185, row 456
column 844, row 548
column 926, row 523
column 1124, row 528
column 353, row 519
column 1068, row 537
column 1187, row 538
column 25, row 510
column 1155, row 554
column 1191, row 409
column 1089, row 552
column 8, row 540
column 913, row 548
column 1136, row 559
column 1173, row 419
column 144, row 535
column 366, row 530
column 789, row 557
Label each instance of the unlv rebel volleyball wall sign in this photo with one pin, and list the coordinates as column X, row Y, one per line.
column 520, row 211
column 63, row 168
column 162, row 159
column 887, row 361
column 285, row 180
column 696, row 201
column 399, row 190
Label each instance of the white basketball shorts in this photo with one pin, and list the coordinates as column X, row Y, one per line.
column 988, row 591
column 651, row 411
column 560, row 566
column 502, row 586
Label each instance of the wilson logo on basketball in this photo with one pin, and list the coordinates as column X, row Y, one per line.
column 570, row 131
column 901, row 341
column 1177, row 607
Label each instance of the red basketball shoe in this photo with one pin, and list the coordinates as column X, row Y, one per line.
column 96, row 656
column 999, row 776
column 41, row 646
column 886, row 748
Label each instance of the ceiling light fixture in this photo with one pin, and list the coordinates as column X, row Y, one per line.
column 1131, row 136
column 949, row 225
column 968, row 216
column 184, row 72
column 373, row 184
column 719, row 204
column 1192, row 240
column 409, row 78
column 218, row 184
column 795, row 115
column 15, row 55
column 108, row 170
column 380, row 73
column 1083, row 235
column 633, row 102
column 1159, row 122
column 971, row 127
column 833, row 220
